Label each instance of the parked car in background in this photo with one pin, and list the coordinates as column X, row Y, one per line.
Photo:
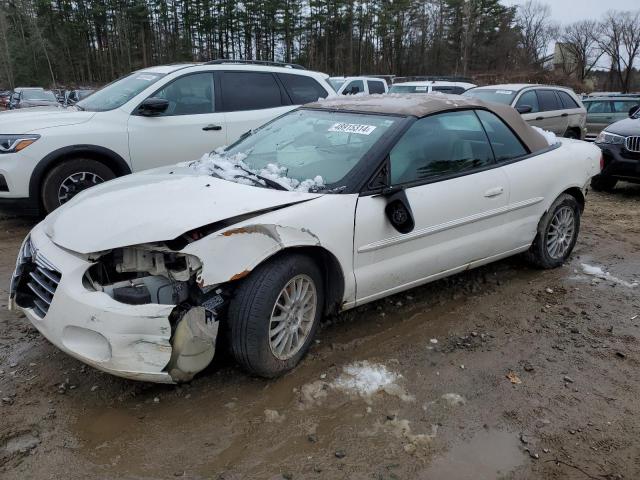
column 146, row 119
column 620, row 144
column 72, row 97
column 355, row 85
column 333, row 207
column 556, row 109
column 603, row 111
column 32, row 97
column 430, row 86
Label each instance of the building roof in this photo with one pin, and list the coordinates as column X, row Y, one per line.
column 423, row 105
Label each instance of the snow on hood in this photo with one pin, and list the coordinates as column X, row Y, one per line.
column 27, row 120
column 234, row 169
column 153, row 206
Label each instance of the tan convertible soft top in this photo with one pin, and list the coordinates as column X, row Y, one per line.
column 420, row 105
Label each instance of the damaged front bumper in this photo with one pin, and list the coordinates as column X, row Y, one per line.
column 130, row 341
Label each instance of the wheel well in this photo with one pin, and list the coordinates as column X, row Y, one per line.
column 331, row 270
column 576, row 130
column 576, row 193
column 103, row 155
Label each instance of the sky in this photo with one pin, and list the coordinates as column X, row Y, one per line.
column 568, row 11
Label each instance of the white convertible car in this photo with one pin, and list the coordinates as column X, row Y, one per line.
column 326, row 208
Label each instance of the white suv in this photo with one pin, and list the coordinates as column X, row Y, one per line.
column 152, row 117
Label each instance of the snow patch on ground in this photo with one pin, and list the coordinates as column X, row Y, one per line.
column 234, row 169
column 365, row 379
column 454, row 399
column 550, row 137
column 600, row 273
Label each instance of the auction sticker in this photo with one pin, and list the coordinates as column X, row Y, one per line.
column 352, row 128
column 504, row 92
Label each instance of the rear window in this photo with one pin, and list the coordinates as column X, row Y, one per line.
column 375, row 86
column 567, row 101
column 451, row 90
column 302, row 89
column 249, row 91
column 548, row 100
column 497, row 95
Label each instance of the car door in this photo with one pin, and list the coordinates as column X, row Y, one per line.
column 445, row 166
column 190, row 127
column 250, row 99
column 599, row 115
column 552, row 115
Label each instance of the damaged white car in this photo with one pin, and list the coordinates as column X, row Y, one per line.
column 328, row 207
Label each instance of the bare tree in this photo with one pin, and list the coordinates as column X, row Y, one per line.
column 536, row 31
column 579, row 48
column 619, row 38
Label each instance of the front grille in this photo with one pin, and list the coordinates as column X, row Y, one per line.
column 35, row 280
column 632, row 144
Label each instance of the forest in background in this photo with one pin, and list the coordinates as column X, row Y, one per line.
column 91, row 42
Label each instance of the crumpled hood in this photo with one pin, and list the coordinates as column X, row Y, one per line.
column 627, row 127
column 27, row 120
column 153, row 206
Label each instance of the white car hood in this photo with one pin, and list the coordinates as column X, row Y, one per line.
column 154, row 206
column 27, row 120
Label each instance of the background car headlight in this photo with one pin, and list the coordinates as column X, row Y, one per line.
column 610, row 138
column 15, row 143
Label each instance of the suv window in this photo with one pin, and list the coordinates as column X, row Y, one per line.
column 249, row 91
column 530, row 99
column 567, row 101
column 302, row 89
column 189, row 95
column 375, row 86
column 602, row 106
column 548, row 100
column 443, row 144
column 354, row 86
column 448, row 89
column 506, row 145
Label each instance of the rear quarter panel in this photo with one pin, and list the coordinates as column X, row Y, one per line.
column 540, row 179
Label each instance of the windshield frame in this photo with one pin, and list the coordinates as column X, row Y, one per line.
column 160, row 75
column 359, row 175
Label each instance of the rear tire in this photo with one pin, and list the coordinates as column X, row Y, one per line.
column 602, row 183
column 259, row 317
column 557, row 233
column 572, row 133
column 69, row 178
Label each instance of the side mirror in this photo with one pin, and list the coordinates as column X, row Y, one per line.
column 153, row 106
column 399, row 212
column 522, row 109
column 633, row 110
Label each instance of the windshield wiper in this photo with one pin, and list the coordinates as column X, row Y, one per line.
column 268, row 182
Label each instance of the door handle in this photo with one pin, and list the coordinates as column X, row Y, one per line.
column 564, row 115
column 494, row 192
column 539, row 118
column 212, row 127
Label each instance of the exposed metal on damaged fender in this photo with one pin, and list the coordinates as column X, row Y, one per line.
column 237, row 251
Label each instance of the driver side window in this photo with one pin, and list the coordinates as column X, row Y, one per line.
column 440, row 145
column 189, row 95
column 530, row 99
column 355, row 86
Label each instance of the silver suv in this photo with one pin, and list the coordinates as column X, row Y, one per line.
column 557, row 109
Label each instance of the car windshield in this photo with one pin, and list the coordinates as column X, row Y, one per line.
column 504, row 96
column 38, row 95
column 409, row 89
column 336, row 83
column 119, row 92
column 303, row 150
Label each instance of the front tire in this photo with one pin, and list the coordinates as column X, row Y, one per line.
column 557, row 233
column 69, row 178
column 275, row 313
column 602, row 183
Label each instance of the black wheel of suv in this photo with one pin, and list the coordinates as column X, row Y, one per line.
column 601, row 183
column 275, row 313
column 66, row 180
column 557, row 233
column 572, row 133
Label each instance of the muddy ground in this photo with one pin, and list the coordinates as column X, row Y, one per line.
column 535, row 374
